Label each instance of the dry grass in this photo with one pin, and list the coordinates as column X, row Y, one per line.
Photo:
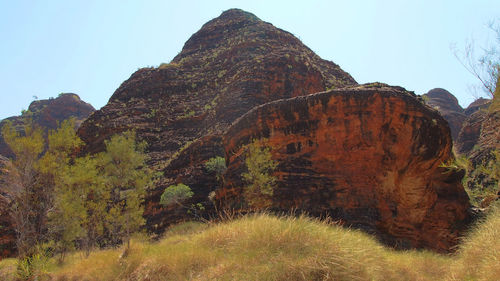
column 480, row 251
column 266, row 247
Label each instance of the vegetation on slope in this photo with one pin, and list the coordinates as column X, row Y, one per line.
column 266, row 247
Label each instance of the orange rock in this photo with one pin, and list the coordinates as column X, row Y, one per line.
column 367, row 155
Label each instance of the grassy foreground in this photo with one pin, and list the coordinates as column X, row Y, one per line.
column 265, row 247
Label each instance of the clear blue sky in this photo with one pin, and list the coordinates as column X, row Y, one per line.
column 90, row 47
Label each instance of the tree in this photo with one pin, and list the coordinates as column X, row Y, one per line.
column 31, row 177
column 100, row 196
column 486, row 66
column 126, row 177
column 217, row 165
column 259, row 176
column 80, row 207
column 177, row 194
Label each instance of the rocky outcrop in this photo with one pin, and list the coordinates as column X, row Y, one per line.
column 447, row 105
column 471, row 130
column 478, row 104
column 232, row 64
column 47, row 114
column 188, row 167
column 487, row 142
column 366, row 155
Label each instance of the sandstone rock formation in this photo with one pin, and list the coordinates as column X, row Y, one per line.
column 49, row 113
column 232, row 64
column 469, row 134
column 367, row 155
column 487, row 142
column 447, row 105
column 478, row 104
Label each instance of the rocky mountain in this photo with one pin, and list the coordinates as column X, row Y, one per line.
column 478, row 104
column 49, row 113
column 468, row 138
column 487, row 141
column 447, row 104
column 471, row 130
column 232, row 64
column 367, row 155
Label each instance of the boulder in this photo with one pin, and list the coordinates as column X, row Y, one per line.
column 368, row 156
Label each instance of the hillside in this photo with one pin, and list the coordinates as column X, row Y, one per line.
column 264, row 247
column 48, row 113
column 447, row 104
column 232, row 64
column 236, row 64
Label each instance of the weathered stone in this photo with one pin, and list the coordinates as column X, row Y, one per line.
column 471, row 128
column 487, row 142
column 232, row 64
column 187, row 167
column 368, row 156
column 479, row 104
column 470, row 132
column 447, row 105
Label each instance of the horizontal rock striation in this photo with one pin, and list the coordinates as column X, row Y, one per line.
column 232, row 64
column 48, row 113
column 447, row 105
column 367, row 155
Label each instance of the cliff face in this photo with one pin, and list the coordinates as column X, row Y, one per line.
column 447, row 105
column 469, row 134
column 232, row 64
column 488, row 141
column 480, row 103
column 48, row 114
column 471, row 128
column 367, row 155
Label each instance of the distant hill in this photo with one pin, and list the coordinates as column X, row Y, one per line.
column 447, row 104
column 49, row 113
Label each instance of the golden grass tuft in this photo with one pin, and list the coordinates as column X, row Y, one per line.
column 480, row 251
column 267, row 247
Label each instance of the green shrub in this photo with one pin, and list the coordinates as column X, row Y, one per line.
column 176, row 194
column 259, row 175
column 216, row 165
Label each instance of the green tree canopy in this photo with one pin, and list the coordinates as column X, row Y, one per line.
column 259, row 176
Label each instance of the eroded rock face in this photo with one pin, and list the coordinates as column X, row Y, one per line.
column 48, row 114
column 487, row 142
column 368, row 156
column 232, row 64
column 471, row 130
column 447, row 105
column 479, row 104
